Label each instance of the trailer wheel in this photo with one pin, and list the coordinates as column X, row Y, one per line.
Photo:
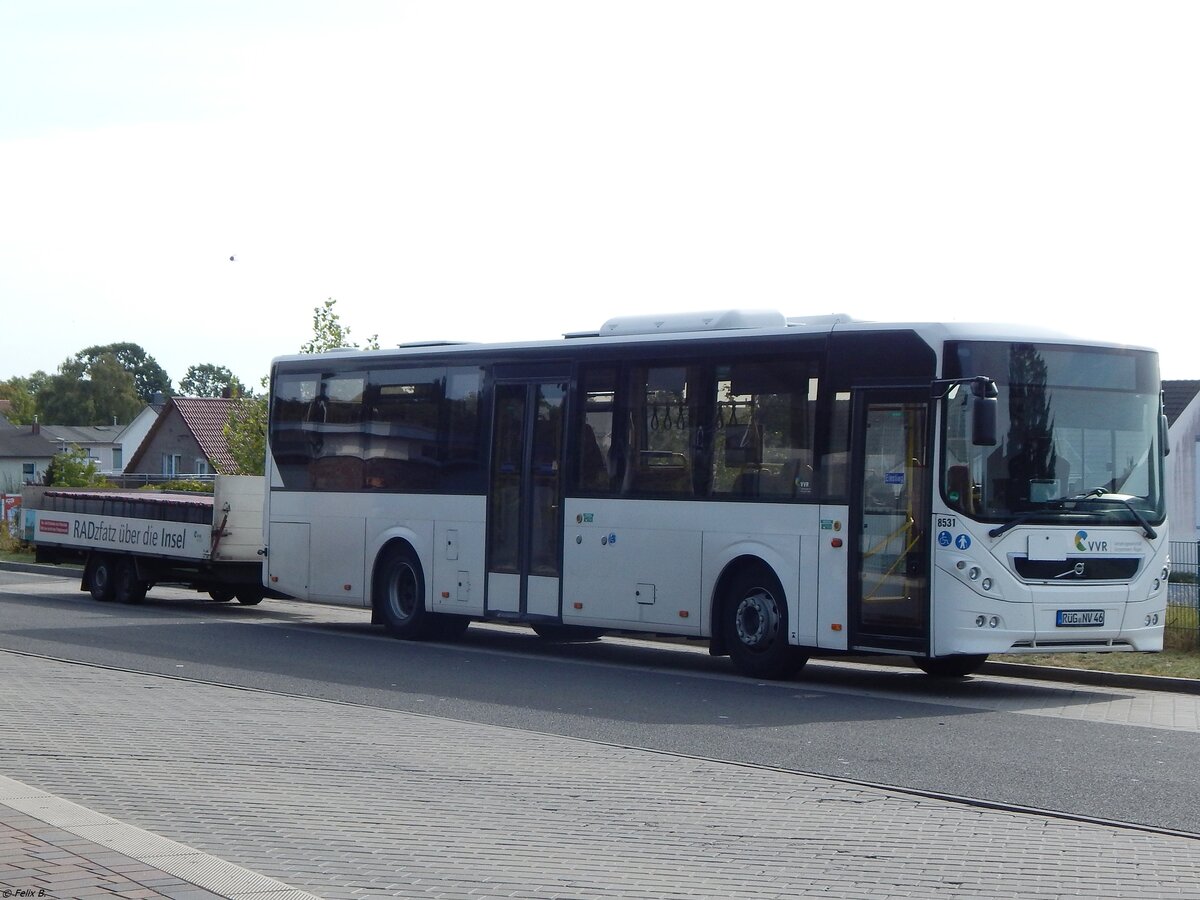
column 754, row 618
column 249, row 598
column 101, row 577
column 221, row 595
column 127, row 587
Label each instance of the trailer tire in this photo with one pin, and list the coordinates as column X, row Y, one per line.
column 127, row 587
column 101, row 577
column 249, row 598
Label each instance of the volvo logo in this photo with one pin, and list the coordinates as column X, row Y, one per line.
column 1077, row 571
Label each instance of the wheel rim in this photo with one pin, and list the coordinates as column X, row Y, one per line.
column 402, row 593
column 757, row 620
column 102, row 578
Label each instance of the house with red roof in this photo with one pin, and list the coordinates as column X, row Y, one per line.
column 187, row 439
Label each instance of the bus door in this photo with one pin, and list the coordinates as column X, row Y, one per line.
column 524, row 517
column 889, row 521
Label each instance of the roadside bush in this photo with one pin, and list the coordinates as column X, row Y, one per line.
column 73, row 468
column 190, row 485
column 10, row 543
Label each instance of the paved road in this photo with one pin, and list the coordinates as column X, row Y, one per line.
column 252, row 793
column 1115, row 754
column 348, row 801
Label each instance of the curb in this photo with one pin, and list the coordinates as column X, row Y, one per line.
column 1093, row 677
column 41, row 569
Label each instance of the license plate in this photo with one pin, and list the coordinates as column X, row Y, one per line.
column 1068, row 618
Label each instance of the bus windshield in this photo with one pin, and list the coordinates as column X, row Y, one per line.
column 1077, row 435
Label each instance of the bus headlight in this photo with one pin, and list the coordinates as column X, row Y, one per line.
column 973, row 574
column 1151, row 619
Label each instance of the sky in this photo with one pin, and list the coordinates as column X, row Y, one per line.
column 518, row 170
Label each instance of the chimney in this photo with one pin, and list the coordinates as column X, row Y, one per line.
column 37, row 427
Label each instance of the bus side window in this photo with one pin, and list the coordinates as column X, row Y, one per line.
column 663, row 426
column 765, row 414
column 835, row 464
column 599, row 466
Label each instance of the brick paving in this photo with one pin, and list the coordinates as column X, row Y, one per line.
column 138, row 779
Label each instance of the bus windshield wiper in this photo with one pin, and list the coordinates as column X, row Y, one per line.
column 1099, row 493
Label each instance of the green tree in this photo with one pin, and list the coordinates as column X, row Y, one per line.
column 207, row 380
column 21, row 393
column 330, row 334
column 89, row 394
column 111, row 388
column 67, row 398
column 73, row 468
column 246, row 428
column 246, row 433
column 149, row 377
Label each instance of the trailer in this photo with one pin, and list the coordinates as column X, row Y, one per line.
column 129, row 541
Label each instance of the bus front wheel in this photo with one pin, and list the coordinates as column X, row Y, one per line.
column 754, row 621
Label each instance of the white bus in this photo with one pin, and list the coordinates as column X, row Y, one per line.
column 779, row 488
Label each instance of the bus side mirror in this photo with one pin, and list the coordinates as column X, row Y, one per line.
column 984, row 405
column 1164, row 429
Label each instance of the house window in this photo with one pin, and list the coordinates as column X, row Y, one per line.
column 118, row 459
column 28, row 472
column 201, row 466
column 171, row 464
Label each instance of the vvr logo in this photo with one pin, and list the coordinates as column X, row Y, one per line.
column 1083, row 545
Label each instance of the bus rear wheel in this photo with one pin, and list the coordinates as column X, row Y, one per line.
column 400, row 595
column 958, row 666
column 754, row 621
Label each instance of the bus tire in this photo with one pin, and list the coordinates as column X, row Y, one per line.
column 127, row 587
column 960, row 665
column 400, row 594
column 101, row 577
column 755, row 626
